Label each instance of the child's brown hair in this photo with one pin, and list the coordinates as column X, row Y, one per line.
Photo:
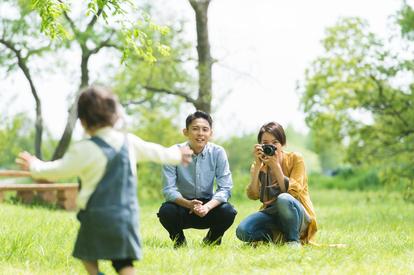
column 98, row 107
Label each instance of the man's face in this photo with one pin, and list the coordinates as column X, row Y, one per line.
column 198, row 133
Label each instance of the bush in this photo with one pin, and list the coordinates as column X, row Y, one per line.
column 348, row 179
column 240, row 181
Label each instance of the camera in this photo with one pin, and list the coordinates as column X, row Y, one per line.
column 269, row 149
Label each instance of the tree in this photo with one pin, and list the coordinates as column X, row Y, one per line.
column 205, row 61
column 89, row 33
column 92, row 39
column 202, row 99
column 134, row 37
column 160, row 86
column 138, row 39
column 21, row 42
column 52, row 13
column 167, row 79
column 350, row 98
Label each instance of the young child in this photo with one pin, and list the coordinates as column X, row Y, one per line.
column 106, row 166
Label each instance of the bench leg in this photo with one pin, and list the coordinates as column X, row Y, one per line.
column 47, row 196
column 67, row 199
column 25, row 196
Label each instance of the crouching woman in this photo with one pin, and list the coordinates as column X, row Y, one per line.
column 279, row 180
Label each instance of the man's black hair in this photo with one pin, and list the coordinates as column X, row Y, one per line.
column 198, row 114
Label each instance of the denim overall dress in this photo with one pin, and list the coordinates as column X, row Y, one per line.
column 109, row 223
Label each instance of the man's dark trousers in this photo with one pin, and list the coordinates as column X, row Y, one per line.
column 175, row 218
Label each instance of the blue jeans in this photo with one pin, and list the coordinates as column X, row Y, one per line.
column 288, row 217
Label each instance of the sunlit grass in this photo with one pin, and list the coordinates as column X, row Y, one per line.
column 376, row 228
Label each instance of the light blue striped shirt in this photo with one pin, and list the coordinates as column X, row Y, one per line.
column 197, row 179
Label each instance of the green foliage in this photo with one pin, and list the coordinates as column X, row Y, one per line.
column 141, row 85
column 405, row 19
column 353, row 104
column 331, row 155
column 348, row 178
column 240, row 182
column 19, row 31
column 375, row 226
column 301, row 143
column 240, row 152
column 51, row 12
column 138, row 40
column 154, row 127
column 132, row 35
column 16, row 135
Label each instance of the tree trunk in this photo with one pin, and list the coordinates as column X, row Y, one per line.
column 73, row 111
column 39, row 118
column 205, row 60
column 22, row 63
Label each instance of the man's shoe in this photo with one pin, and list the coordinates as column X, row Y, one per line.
column 179, row 244
column 207, row 241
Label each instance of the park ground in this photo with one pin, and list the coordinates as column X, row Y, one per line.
column 376, row 227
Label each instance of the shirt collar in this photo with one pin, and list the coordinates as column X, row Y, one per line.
column 103, row 131
column 203, row 153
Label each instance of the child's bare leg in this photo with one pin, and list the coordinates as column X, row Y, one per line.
column 128, row 270
column 91, row 267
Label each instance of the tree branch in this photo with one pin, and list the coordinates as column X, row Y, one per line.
column 135, row 102
column 71, row 23
column 103, row 44
column 37, row 51
column 170, row 92
column 393, row 110
column 94, row 19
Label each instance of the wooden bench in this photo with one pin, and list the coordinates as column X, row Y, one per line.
column 64, row 194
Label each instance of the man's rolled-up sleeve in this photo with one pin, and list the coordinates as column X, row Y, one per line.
column 223, row 177
column 170, row 189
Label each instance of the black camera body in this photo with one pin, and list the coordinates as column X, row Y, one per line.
column 269, row 149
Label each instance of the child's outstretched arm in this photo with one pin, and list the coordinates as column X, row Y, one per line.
column 24, row 159
column 81, row 156
column 186, row 155
column 149, row 151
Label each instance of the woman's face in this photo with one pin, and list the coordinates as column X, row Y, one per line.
column 268, row 138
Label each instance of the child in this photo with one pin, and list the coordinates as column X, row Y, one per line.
column 105, row 164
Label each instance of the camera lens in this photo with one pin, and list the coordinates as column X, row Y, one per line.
column 269, row 149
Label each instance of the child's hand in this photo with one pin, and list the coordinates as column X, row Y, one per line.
column 186, row 155
column 24, row 159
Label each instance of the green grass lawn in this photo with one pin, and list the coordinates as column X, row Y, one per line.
column 377, row 229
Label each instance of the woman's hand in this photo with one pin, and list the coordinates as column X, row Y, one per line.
column 275, row 160
column 258, row 154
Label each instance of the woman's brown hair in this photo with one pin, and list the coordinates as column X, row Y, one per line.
column 275, row 129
